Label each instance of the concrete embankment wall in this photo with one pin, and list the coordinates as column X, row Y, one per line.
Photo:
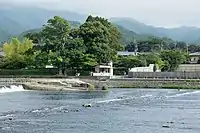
column 147, row 83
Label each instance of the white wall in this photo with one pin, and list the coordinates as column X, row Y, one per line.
column 143, row 69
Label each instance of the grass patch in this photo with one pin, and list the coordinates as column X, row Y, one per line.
column 179, row 87
column 91, row 87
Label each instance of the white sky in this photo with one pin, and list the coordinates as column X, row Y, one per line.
column 168, row 13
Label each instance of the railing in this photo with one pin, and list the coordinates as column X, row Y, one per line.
column 165, row 75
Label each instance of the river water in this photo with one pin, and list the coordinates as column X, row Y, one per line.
column 117, row 111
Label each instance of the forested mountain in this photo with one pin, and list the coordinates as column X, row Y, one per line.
column 186, row 34
column 15, row 21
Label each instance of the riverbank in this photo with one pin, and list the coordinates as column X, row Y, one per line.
column 147, row 83
column 64, row 84
column 47, row 84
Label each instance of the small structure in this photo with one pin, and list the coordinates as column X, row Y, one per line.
column 103, row 70
column 150, row 68
column 194, row 57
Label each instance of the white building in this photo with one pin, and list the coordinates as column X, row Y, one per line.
column 103, row 70
column 194, row 57
column 150, row 68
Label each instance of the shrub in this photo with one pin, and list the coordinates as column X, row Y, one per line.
column 91, row 87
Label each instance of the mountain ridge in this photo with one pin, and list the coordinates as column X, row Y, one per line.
column 14, row 21
column 189, row 34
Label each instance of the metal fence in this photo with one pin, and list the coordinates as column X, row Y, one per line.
column 165, row 75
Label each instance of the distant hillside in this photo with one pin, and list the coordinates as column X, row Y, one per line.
column 4, row 35
column 186, row 34
column 128, row 35
column 14, row 21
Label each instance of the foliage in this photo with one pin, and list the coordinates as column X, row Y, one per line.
column 100, row 38
column 84, row 46
column 91, row 43
column 153, row 58
column 153, row 44
column 30, row 72
column 16, row 53
column 91, row 87
column 172, row 59
column 129, row 62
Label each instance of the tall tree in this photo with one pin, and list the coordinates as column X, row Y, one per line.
column 55, row 35
column 114, row 35
column 101, row 38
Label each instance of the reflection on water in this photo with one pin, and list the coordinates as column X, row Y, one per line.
column 119, row 110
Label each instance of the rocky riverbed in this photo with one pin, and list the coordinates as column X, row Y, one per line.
column 48, row 84
column 91, row 84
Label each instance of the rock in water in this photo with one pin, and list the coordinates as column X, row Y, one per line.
column 164, row 126
column 10, row 119
column 87, row 105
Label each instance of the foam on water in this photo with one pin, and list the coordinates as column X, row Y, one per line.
column 122, row 99
column 146, row 96
column 5, row 116
column 12, row 88
column 183, row 94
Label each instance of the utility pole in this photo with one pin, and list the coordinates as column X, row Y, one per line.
column 187, row 49
column 136, row 46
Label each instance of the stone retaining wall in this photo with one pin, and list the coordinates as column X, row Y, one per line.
column 123, row 83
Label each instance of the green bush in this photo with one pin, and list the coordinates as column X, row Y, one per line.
column 38, row 72
column 91, row 87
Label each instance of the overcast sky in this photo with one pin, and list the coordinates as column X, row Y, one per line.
column 168, row 13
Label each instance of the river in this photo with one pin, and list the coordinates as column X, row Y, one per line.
column 117, row 111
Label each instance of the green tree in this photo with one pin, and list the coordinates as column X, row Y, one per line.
column 16, row 55
column 129, row 62
column 114, row 35
column 172, row 59
column 55, row 35
column 101, row 38
column 154, row 58
column 132, row 46
column 34, row 36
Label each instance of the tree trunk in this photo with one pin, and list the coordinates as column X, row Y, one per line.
column 65, row 72
column 60, row 69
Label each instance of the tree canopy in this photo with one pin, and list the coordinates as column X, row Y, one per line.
column 172, row 59
column 16, row 53
column 95, row 41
